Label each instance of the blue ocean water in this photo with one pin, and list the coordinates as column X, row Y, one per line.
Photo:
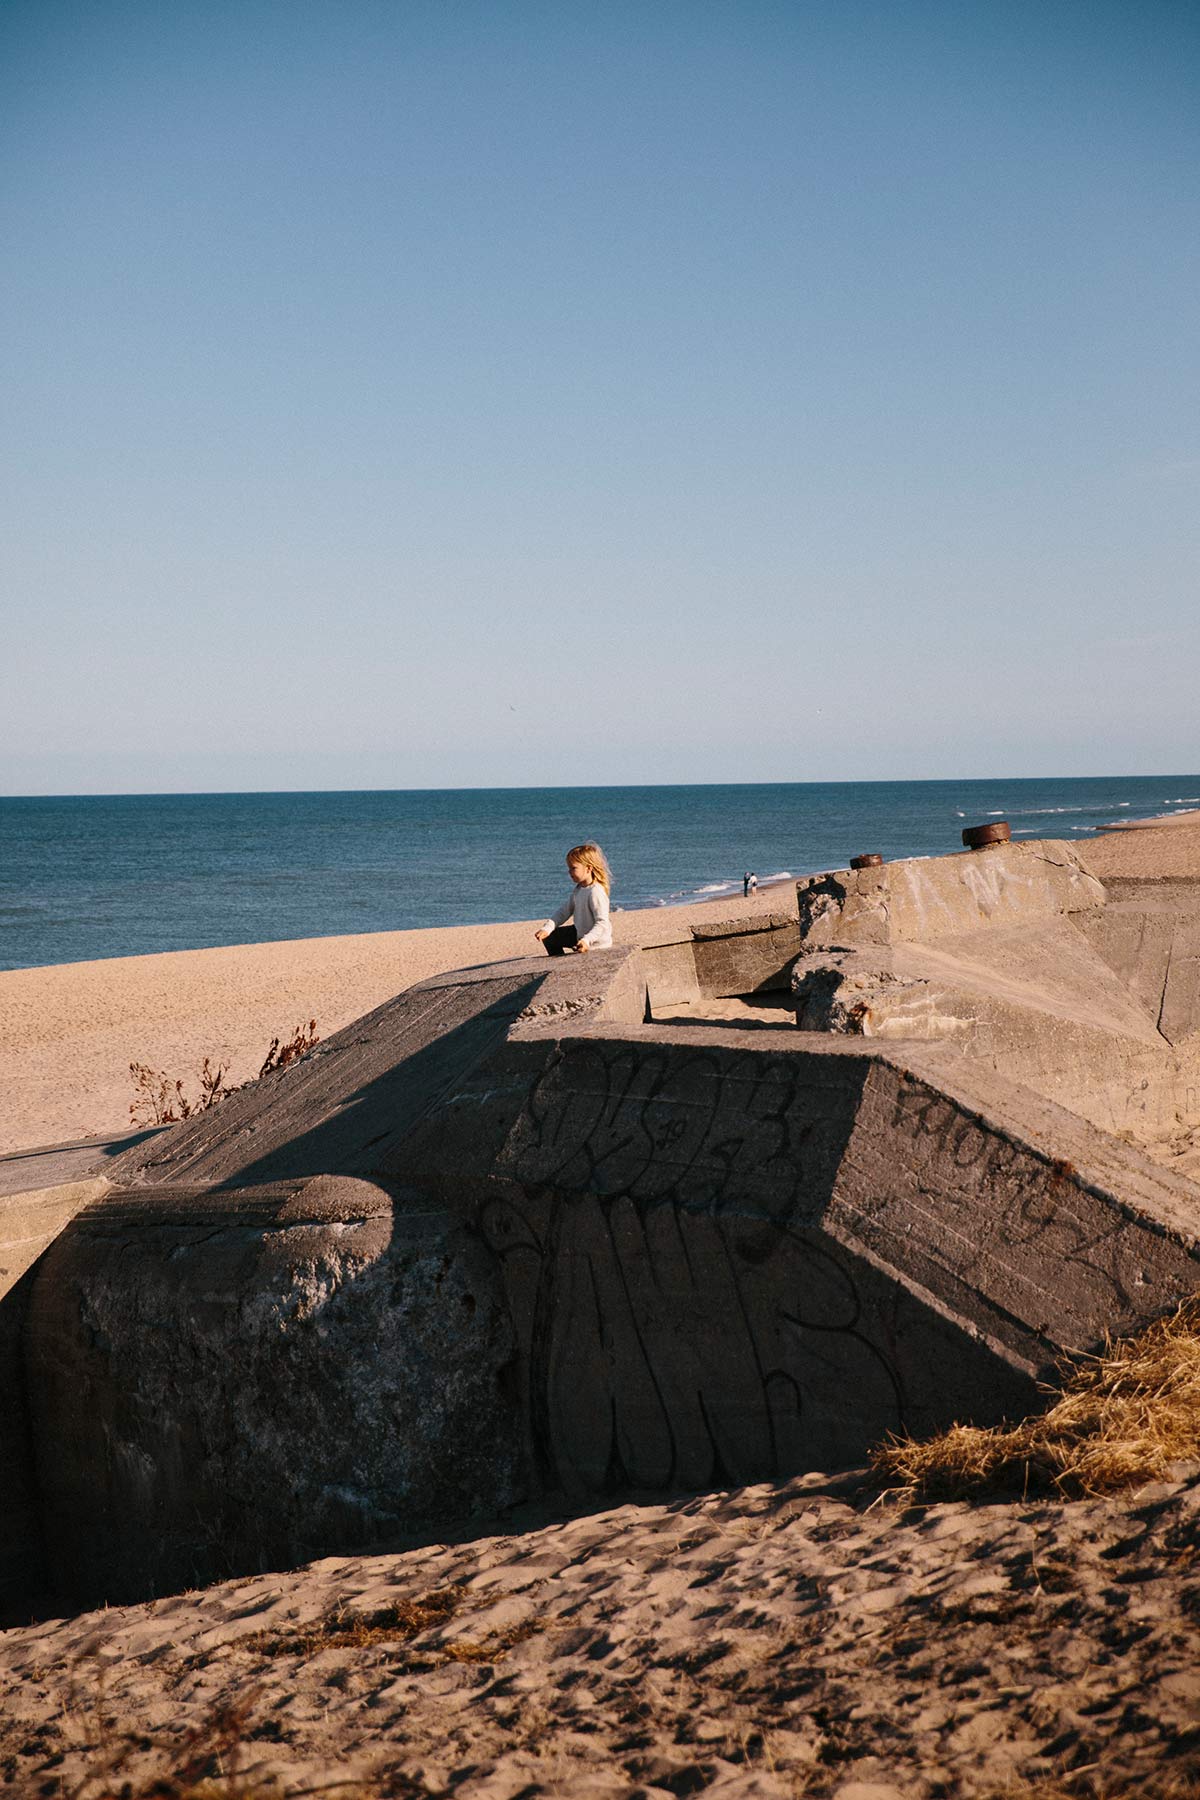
column 96, row 876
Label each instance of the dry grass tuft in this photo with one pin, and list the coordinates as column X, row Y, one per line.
column 1125, row 1416
column 302, row 1040
column 163, row 1101
column 397, row 1624
column 342, row 1630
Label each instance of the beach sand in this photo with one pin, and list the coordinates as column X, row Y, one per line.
column 69, row 1032
column 1148, row 849
column 780, row 1640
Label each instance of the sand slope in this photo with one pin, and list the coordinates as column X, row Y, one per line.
column 776, row 1641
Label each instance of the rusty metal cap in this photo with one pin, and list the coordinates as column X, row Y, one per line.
column 978, row 837
column 870, row 861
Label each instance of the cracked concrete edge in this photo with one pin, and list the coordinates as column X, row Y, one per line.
column 1101, row 1164
column 32, row 1219
column 945, row 895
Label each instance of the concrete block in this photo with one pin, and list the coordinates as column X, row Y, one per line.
column 1013, row 884
column 221, row 1383
column 29, row 1223
column 1152, row 942
column 721, row 959
column 671, row 978
column 684, row 1314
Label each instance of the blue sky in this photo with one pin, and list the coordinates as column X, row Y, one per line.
column 492, row 394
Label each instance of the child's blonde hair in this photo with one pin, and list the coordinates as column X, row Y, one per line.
column 594, row 860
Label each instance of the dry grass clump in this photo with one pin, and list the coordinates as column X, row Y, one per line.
column 341, row 1630
column 1124, row 1416
column 396, row 1624
column 163, row 1101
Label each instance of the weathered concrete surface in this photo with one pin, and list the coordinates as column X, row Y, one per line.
column 53, row 1165
column 1149, row 935
column 350, row 1104
column 232, row 1381
column 1014, row 884
column 1022, row 967
column 722, row 958
column 30, row 1220
column 727, row 1256
column 224, row 1370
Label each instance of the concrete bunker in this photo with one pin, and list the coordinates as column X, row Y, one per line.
column 507, row 1237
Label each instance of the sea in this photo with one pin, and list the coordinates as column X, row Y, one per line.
column 92, row 876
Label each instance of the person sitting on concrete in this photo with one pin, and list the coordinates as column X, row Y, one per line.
column 586, row 906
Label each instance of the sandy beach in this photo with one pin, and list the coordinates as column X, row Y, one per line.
column 69, row 1032
column 1145, row 849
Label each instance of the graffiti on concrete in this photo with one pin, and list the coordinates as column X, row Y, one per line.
column 672, row 1348
column 1027, row 1221
column 682, row 1324
column 704, row 1125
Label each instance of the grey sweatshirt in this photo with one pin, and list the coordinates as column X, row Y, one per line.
column 589, row 905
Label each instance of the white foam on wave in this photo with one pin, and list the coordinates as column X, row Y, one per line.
column 1039, row 812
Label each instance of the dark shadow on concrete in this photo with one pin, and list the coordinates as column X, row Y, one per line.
column 363, row 1135
column 24, row 1584
column 347, row 1107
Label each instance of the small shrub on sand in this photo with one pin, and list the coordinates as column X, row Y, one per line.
column 298, row 1045
column 163, row 1101
column 1124, row 1416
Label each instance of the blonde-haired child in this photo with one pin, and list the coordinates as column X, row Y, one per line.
column 586, row 905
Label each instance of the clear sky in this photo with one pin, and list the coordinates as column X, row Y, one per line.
column 407, row 394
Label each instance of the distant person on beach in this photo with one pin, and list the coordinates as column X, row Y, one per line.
column 752, row 883
column 745, row 883
column 586, row 906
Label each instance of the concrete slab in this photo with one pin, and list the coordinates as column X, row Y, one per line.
column 52, row 1164
column 1014, row 884
column 1091, row 1004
